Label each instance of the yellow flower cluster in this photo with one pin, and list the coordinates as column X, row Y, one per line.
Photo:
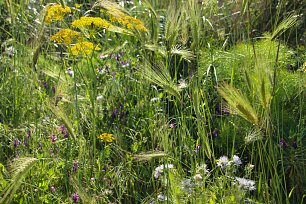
column 56, row 12
column 106, row 137
column 83, row 48
column 86, row 21
column 130, row 22
column 65, row 36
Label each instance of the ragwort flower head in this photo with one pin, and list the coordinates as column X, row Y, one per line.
column 87, row 21
column 56, row 12
column 106, row 137
column 85, row 48
column 128, row 21
column 65, row 36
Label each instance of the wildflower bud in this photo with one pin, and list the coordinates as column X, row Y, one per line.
column 75, row 198
column 215, row 133
column 53, row 138
column 75, row 166
column 283, row 143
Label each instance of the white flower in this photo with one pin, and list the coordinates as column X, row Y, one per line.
column 182, row 84
column 197, row 177
column 237, row 160
column 162, row 197
column 223, row 162
column 154, row 99
column 70, row 72
column 246, row 184
column 159, row 169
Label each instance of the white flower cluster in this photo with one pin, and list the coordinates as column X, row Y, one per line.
column 160, row 169
column 223, row 161
column 246, row 184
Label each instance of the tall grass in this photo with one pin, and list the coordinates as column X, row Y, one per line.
column 176, row 102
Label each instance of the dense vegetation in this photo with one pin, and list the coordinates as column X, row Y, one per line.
column 153, row 101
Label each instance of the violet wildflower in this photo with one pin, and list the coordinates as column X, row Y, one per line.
column 45, row 84
column 115, row 113
column 53, row 89
column 75, row 198
column 125, row 64
column 283, row 143
column 101, row 71
column 215, row 133
column 16, row 143
column 53, row 189
column 53, row 138
column 29, row 133
column 63, row 129
column 75, row 166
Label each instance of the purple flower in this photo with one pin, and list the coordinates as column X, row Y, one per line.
column 63, row 129
column 283, row 143
column 16, row 143
column 53, row 189
column 215, row 133
column 53, row 138
column 29, row 134
column 125, row 64
column 75, row 198
column 115, row 113
column 45, row 84
column 75, row 166
column 53, row 89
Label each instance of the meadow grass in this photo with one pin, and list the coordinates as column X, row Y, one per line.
column 152, row 101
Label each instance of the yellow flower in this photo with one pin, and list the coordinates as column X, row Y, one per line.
column 77, row 6
column 106, row 137
column 56, row 12
column 128, row 21
column 83, row 48
column 86, row 21
column 65, row 36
